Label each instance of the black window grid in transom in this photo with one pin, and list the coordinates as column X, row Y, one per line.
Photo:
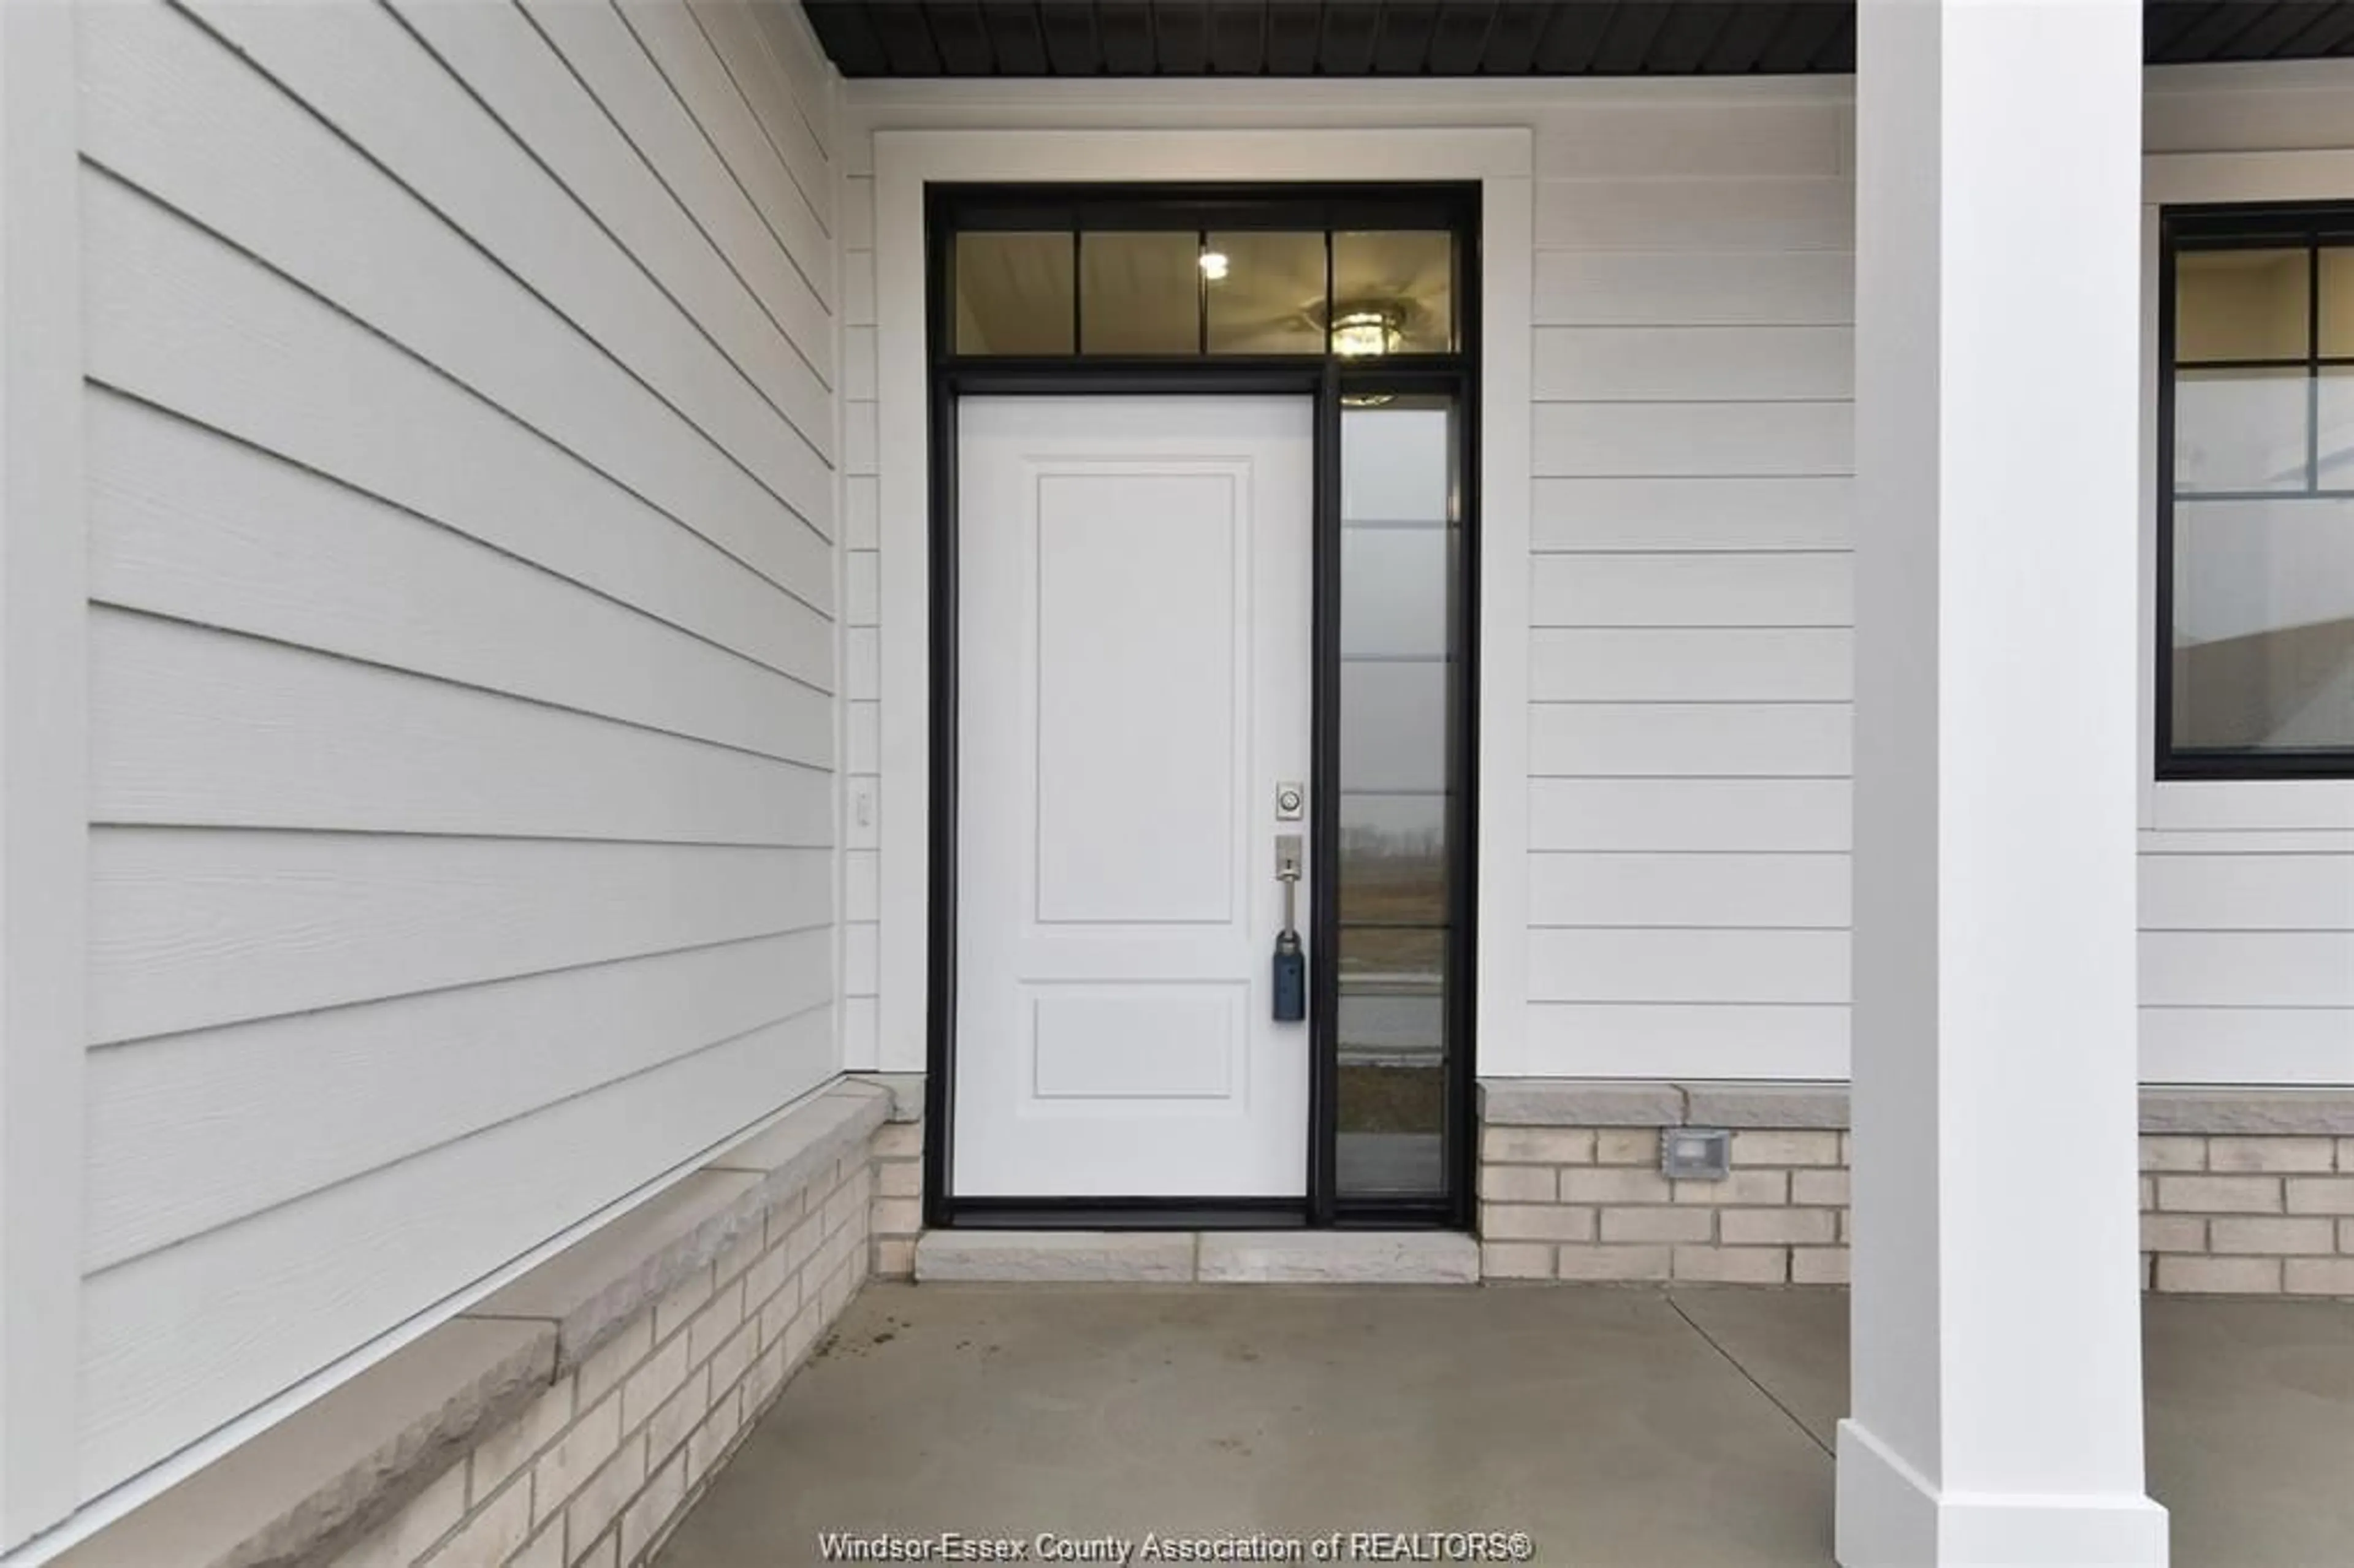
column 1200, row 212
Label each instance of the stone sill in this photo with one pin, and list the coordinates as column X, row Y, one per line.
column 1205, row 1257
column 319, row 1481
column 1627, row 1102
column 907, row 1091
column 1615, row 1102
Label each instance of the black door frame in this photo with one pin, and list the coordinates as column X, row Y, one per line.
column 1328, row 381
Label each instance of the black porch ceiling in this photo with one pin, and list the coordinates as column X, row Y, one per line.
column 1460, row 37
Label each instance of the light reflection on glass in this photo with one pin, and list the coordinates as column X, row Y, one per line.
column 1398, row 587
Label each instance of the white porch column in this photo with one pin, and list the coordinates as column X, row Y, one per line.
column 1997, row 1404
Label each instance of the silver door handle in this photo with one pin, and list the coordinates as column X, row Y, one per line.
column 1287, row 872
column 1290, row 993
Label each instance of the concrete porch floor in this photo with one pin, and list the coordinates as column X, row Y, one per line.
column 1619, row 1428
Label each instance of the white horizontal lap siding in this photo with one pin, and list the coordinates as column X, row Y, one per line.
column 1719, row 588
column 1672, row 363
column 1676, row 815
column 196, row 727
column 1627, row 965
column 369, row 79
column 2247, row 959
column 173, row 111
column 1691, row 593
column 2247, row 892
column 1652, row 289
column 189, row 526
column 177, row 1341
column 629, row 84
column 519, row 1045
column 183, row 321
column 1652, row 739
column 463, row 495
column 2247, row 886
column 297, row 921
column 500, row 57
column 1670, row 439
column 1690, row 888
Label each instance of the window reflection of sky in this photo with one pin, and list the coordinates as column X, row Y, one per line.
column 2262, row 628
column 1395, row 505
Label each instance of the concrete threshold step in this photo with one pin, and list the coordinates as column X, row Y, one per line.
column 1203, row 1257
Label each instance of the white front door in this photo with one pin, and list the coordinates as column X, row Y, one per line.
column 1134, row 581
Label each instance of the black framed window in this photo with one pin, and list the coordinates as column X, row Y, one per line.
column 1109, row 273
column 2256, row 673
column 1402, row 636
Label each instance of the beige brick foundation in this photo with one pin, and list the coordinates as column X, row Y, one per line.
column 1588, row 1203
column 2243, row 1192
column 897, row 1221
column 596, row 1470
column 571, row 1419
column 2248, row 1213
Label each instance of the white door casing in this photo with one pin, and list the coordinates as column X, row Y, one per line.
column 1202, row 141
column 1134, row 678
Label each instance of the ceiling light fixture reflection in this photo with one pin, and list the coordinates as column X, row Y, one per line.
column 1214, row 265
column 1359, row 333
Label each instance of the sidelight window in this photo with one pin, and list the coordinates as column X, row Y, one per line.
column 1401, row 554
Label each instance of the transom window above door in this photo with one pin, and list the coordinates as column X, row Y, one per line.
column 2256, row 496
column 1106, row 274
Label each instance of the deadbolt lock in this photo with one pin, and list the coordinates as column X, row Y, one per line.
column 1289, row 799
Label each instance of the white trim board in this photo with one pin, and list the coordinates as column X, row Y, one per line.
column 2309, row 174
column 44, row 813
column 1502, row 161
column 1489, row 97
column 1253, row 104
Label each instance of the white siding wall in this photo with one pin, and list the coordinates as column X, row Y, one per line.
column 1688, row 581
column 1691, row 591
column 1689, row 721
column 1691, row 583
column 461, row 480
